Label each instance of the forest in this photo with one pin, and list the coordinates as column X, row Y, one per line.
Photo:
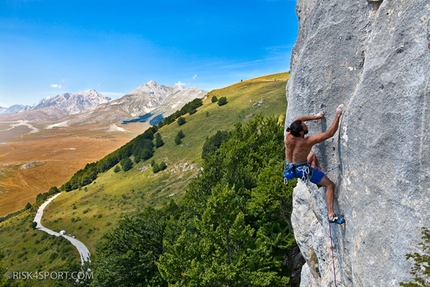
column 232, row 227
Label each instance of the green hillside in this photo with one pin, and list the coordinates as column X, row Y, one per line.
column 89, row 212
column 97, row 208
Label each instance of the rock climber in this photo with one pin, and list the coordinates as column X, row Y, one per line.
column 302, row 163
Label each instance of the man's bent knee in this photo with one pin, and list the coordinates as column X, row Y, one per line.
column 326, row 182
column 312, row 159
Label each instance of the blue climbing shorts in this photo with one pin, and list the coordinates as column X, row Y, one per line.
column 302, row 170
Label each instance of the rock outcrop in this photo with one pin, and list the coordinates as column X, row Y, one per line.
column 374, row 57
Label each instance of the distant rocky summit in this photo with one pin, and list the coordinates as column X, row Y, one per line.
column 374, row 57
column 153, row 96
column 73, row 103
column 91, row 107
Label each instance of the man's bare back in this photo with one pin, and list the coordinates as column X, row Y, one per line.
column 296, row 149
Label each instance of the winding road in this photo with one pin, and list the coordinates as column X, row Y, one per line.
column 82, row 249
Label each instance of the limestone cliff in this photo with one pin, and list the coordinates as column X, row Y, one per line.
column 374, row 57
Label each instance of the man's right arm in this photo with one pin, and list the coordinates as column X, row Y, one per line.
column 331, row 130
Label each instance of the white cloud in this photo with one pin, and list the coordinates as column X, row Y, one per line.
column 55, row 86
column 179, row 83
column 194, row 77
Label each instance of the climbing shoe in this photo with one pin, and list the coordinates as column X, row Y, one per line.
column 336, row 219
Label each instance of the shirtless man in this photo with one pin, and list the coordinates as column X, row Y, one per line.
column 301, row 163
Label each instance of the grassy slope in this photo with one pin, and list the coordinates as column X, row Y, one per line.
column 90, row 212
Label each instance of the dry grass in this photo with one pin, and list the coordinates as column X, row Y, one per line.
column 58, row 154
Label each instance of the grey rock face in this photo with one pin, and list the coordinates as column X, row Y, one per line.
column 374, row 57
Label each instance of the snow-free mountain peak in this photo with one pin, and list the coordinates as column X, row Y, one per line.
column 73, row 103
column 151, row 95
column 152, row 83
column 90, row 106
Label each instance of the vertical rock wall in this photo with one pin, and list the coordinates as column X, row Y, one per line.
column 374, row 57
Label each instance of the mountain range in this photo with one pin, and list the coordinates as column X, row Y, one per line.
column 92, row 107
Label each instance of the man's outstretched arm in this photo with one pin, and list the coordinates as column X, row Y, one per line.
column 331, row 130
column 318, row 116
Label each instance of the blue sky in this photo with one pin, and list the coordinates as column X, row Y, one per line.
column 50, row 47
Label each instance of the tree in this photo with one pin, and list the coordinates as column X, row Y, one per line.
column 222, row 101
column 178, row 137
column 127, row 255
column 181, row 134
column 224, row 236
column 181, row 121
column 213, row 143
column 421, row 268
column 126, row 164
column 155, row 168
column 145, row 154
column 178, row 140
column 158, row 141
column 214, row 99
column 193, row 111
column 116, row 169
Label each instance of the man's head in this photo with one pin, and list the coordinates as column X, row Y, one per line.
column 297, row 127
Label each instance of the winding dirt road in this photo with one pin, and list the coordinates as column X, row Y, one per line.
column 82, row 249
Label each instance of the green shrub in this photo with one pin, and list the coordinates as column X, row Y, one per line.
column 158, row 140
column 53, row 256
column 214, row 142
column 181, row 121
column 181, row 134
column 126, row 164
column 178, row 140
column 157, row 167
column 192, row 111
column 222, row 101
column 421, row 268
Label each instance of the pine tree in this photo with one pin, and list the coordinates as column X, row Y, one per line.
column 181, row 134
column 158, row 140
column 181, row 121
column 126, row 164
column 178, row 140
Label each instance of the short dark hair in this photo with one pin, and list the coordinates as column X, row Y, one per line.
column 295, row 128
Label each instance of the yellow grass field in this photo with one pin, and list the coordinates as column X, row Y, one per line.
column 31, row 163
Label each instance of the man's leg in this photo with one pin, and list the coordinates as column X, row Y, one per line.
column 327, row 183
column 329, row 194
column 312, row 159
